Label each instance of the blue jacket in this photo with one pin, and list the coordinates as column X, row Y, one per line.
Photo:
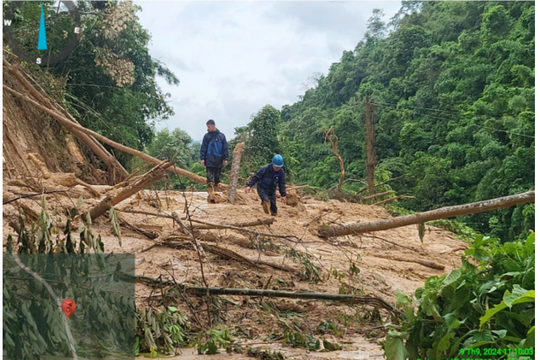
column 214, row 149
column 267, row 178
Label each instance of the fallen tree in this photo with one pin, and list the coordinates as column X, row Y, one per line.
column 112, row 164
column 204, row 291
column 442, row 213
column 73, row 126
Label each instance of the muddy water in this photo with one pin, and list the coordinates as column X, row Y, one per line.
column 355, row 348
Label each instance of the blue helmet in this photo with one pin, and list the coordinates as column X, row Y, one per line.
column 278, row 161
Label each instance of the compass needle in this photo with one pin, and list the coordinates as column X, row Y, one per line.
column 42, row 41
column 57, row 32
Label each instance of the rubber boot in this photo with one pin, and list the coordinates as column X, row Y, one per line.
column 266, row 207
column 210, row 188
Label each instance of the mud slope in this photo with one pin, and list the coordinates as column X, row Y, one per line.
column 383, row 267
column 29, row 130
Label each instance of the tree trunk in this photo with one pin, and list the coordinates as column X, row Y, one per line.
column 72, row 126
column 442, row 213
column 204, row 291
column 370, row 146
column 148, row 179
column 97, row 148
column 242, row 224
column 331, row 136
column 235, row 169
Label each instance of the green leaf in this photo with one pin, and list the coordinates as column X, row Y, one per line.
column 444, row 344
column 402, row 299
column 393, row 346
column 80, row 201
column 525, row 298
column 530, row 340
column 529, row 244
column 212, row 348
column 452, row 277
column 491, row 312
column 330, row 346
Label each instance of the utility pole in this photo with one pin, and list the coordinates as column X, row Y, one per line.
column 370, row 145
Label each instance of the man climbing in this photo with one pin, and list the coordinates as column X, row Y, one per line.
column 267, row 178
column 214, row 154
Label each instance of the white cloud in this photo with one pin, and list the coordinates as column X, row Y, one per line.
column 232, row 58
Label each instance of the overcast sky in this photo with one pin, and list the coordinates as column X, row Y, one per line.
column 232, row 58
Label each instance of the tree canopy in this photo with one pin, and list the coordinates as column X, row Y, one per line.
column 453, row 87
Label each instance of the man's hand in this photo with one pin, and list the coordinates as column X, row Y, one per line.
column 248, row 189
column 202, row 162
column 225, row 163
column 284, row 199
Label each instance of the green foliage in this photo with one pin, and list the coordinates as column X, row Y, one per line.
column 309, row 271
column 215, row 339
column 33, row 324
column 453, row 86
column 110, row 79
column 160, row 331
column 168, row 145
column 264, row 354
column 488, row 305
column 261, row 137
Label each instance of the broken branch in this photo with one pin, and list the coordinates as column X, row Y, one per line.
column 394, row 198
column 429, row 264
column 242, row 224
column 146, row 180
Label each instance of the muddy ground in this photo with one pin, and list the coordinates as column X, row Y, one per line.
column 378, row 266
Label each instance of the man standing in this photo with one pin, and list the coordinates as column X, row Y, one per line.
column 268, row 178
column 214, row 154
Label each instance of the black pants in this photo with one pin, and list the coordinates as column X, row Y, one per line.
column 213, row 175
column 268, row 195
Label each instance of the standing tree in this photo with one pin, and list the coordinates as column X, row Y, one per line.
column 262, row 137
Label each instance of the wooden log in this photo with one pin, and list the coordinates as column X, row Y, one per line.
column 257, row 222
column 374, row 196
column 204, row 291
column 72, row 126
column 442, row 213
column 148, row 179
column 394, row 198
column 281, row 236
column 429, row 264
column 91, row 142
column 235, row 170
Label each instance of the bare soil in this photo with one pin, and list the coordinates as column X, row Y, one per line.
column 380, row 274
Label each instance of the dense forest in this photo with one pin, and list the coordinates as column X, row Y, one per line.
column 452, row 84
column 453, row 87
